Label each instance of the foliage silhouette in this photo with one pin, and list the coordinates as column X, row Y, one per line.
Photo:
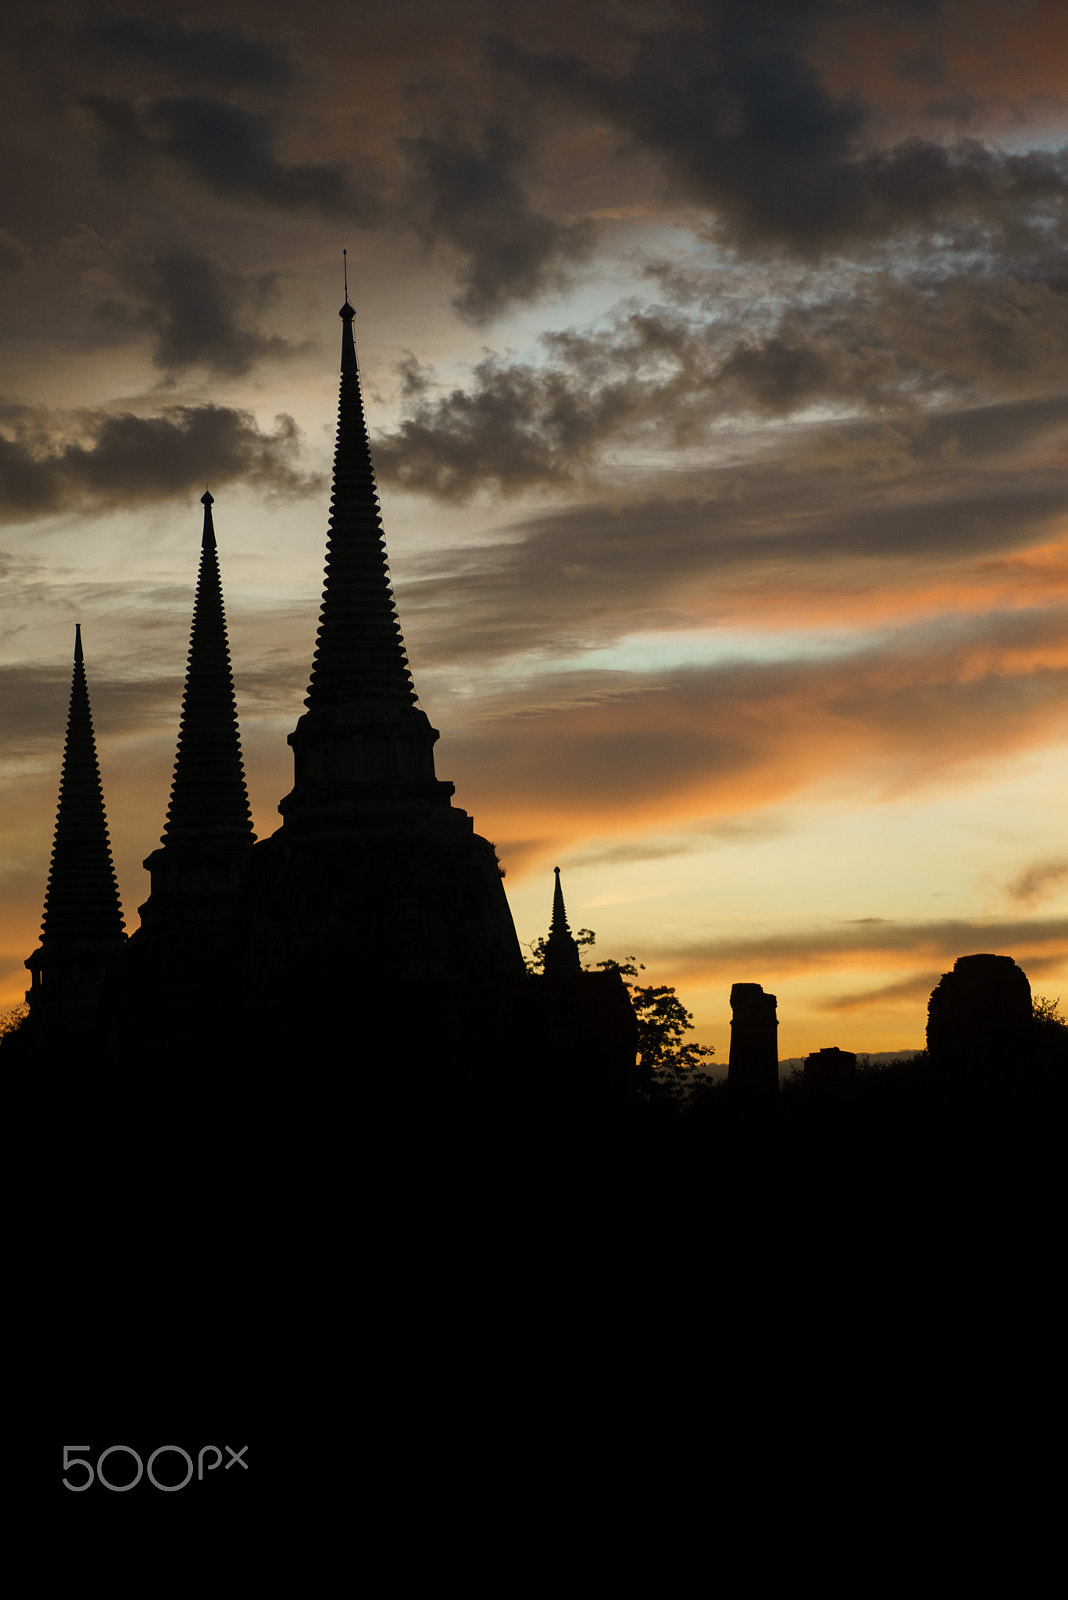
column 11, row 1021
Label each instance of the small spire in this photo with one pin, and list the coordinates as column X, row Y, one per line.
column 562, row 957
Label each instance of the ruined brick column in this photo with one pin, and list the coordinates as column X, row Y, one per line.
column 753, row 1070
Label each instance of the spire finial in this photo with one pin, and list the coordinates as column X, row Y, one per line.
column 345, row 270
column 347, row 314
column 78, row 656
column 207, row 542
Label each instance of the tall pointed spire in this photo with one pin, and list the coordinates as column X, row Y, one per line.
column 375, row 878
column 83, row 922
column 209, row 800
column 359, row 656
column 363, row 743
column 562, row 956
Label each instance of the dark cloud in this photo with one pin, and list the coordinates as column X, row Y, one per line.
column 230, row 56
column 124, row 147
column 468, row 193
column 905, row 343
column 958, row 107
column 516, row 427
column 727, row 96
column 1040, row 879
column 416, row 377
column 927, row 66
column 657, row 371
column 196, row 309
column 229, row 149
column 94, row 460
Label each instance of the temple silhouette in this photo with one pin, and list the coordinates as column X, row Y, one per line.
column 372, row 925
column 370, row 935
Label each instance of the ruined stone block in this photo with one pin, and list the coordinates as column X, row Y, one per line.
column 979, row 1015
column 830, row 1071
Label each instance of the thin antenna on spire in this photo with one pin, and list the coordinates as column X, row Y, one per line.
column 345, row 269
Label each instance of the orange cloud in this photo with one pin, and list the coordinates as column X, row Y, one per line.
column 632, row 752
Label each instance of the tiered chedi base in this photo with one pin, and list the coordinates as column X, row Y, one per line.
column 397, row 899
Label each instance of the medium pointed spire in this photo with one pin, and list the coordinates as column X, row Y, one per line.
column 562, row 957
column 83, row 925
column 208, row 834
column 209, row 800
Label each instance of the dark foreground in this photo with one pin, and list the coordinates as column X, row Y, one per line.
column 429, row 1319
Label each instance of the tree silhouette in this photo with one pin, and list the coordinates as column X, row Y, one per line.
column 669, row 1067
column 1050, row 1034
column 1048, row 1011
column 535, row 961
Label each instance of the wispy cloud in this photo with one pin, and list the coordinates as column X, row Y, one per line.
column 802, row 949
column 1040, row 879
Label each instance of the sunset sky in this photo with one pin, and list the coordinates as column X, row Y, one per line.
column 716, row 361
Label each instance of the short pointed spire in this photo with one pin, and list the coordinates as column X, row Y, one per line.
column 562, row 956
column 82, row 930
column 82, row 898
column 209, row 800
